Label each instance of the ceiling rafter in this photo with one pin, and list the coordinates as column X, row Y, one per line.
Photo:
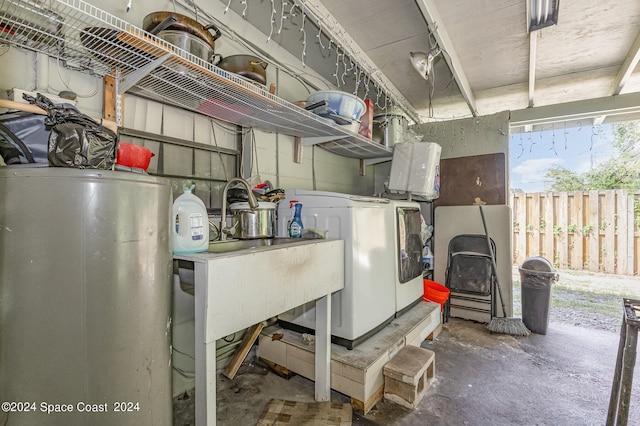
column 533, row 50
column 627, row 67
column 629, row 64
column 432, row 16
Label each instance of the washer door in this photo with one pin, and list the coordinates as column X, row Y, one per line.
column 409, row 243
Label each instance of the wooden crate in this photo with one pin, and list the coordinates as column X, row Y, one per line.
column 356, row 373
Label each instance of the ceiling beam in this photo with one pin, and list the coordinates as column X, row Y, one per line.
column 627, row 67
column 434, row 20
column 629, row 64
column 533, row 50
column 578, row 110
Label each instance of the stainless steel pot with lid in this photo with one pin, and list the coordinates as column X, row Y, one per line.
column 158, row 21
column 389, row 129
column 248, row 66
column 189, row 42
column 185, row 33
column 258, row 223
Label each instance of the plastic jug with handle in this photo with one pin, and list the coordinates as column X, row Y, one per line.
column 190, row 224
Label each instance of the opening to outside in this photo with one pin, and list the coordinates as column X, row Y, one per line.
column 575, row 195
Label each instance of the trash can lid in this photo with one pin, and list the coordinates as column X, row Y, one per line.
column 537, row 263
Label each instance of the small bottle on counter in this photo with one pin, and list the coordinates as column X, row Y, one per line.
column 291, row 203
column 295, row 226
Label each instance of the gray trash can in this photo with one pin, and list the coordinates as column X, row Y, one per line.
column 536, row 277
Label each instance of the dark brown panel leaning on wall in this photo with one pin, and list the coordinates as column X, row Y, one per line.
column 464, row 179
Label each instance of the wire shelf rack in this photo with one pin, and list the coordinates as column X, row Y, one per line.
column 91, row 40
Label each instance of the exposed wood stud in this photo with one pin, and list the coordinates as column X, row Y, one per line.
column 109, row 101
column 298, row 151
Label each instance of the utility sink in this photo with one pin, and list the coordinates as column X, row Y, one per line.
column 241, row 283
column 235, row 245
column 238, row 277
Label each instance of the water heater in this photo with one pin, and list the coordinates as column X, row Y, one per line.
column 85, row 285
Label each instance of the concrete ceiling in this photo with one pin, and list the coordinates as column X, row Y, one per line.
column 491, row 62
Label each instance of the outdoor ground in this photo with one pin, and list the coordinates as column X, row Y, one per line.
column 586, row 299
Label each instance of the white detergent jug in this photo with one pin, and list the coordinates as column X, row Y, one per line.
column 190, row 224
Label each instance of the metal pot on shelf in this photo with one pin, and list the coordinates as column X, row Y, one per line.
column 185, row 33
column 389, row 129
column 258, row 223
column 247, row 66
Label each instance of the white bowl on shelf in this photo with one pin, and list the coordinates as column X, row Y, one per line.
column 339, row 103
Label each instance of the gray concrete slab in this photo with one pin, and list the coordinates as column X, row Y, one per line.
column 561, row 378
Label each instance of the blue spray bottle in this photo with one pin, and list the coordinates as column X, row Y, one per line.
column 295, row 227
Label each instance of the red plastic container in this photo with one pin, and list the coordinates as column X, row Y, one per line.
column 434, row 292
column 131, row 155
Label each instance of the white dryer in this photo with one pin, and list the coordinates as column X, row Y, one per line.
column 367, row 225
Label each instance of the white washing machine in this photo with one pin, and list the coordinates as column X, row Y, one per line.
column 367, row 225
column 408, row 257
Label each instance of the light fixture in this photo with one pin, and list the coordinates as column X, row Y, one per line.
column 423, row 62
column 542, row 13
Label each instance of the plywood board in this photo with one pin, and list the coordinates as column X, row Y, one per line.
column 463, row 179
column 250, row 336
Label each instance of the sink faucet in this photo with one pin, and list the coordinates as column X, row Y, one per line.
column 215, row 227
column 253, row 204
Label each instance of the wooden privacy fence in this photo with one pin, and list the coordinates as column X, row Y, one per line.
column 595, row 231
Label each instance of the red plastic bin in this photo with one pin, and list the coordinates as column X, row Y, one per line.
column 131, row 155
column 434, row 292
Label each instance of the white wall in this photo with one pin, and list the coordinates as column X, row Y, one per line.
column 469, row 136
column 36, row 72
column 320, row 169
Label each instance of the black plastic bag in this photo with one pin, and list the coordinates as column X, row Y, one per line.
column 75, row 139
column 78, row 143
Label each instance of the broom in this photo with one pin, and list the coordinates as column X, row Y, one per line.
column 504, row 325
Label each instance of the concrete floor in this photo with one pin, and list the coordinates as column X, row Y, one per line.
column 561, row 378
